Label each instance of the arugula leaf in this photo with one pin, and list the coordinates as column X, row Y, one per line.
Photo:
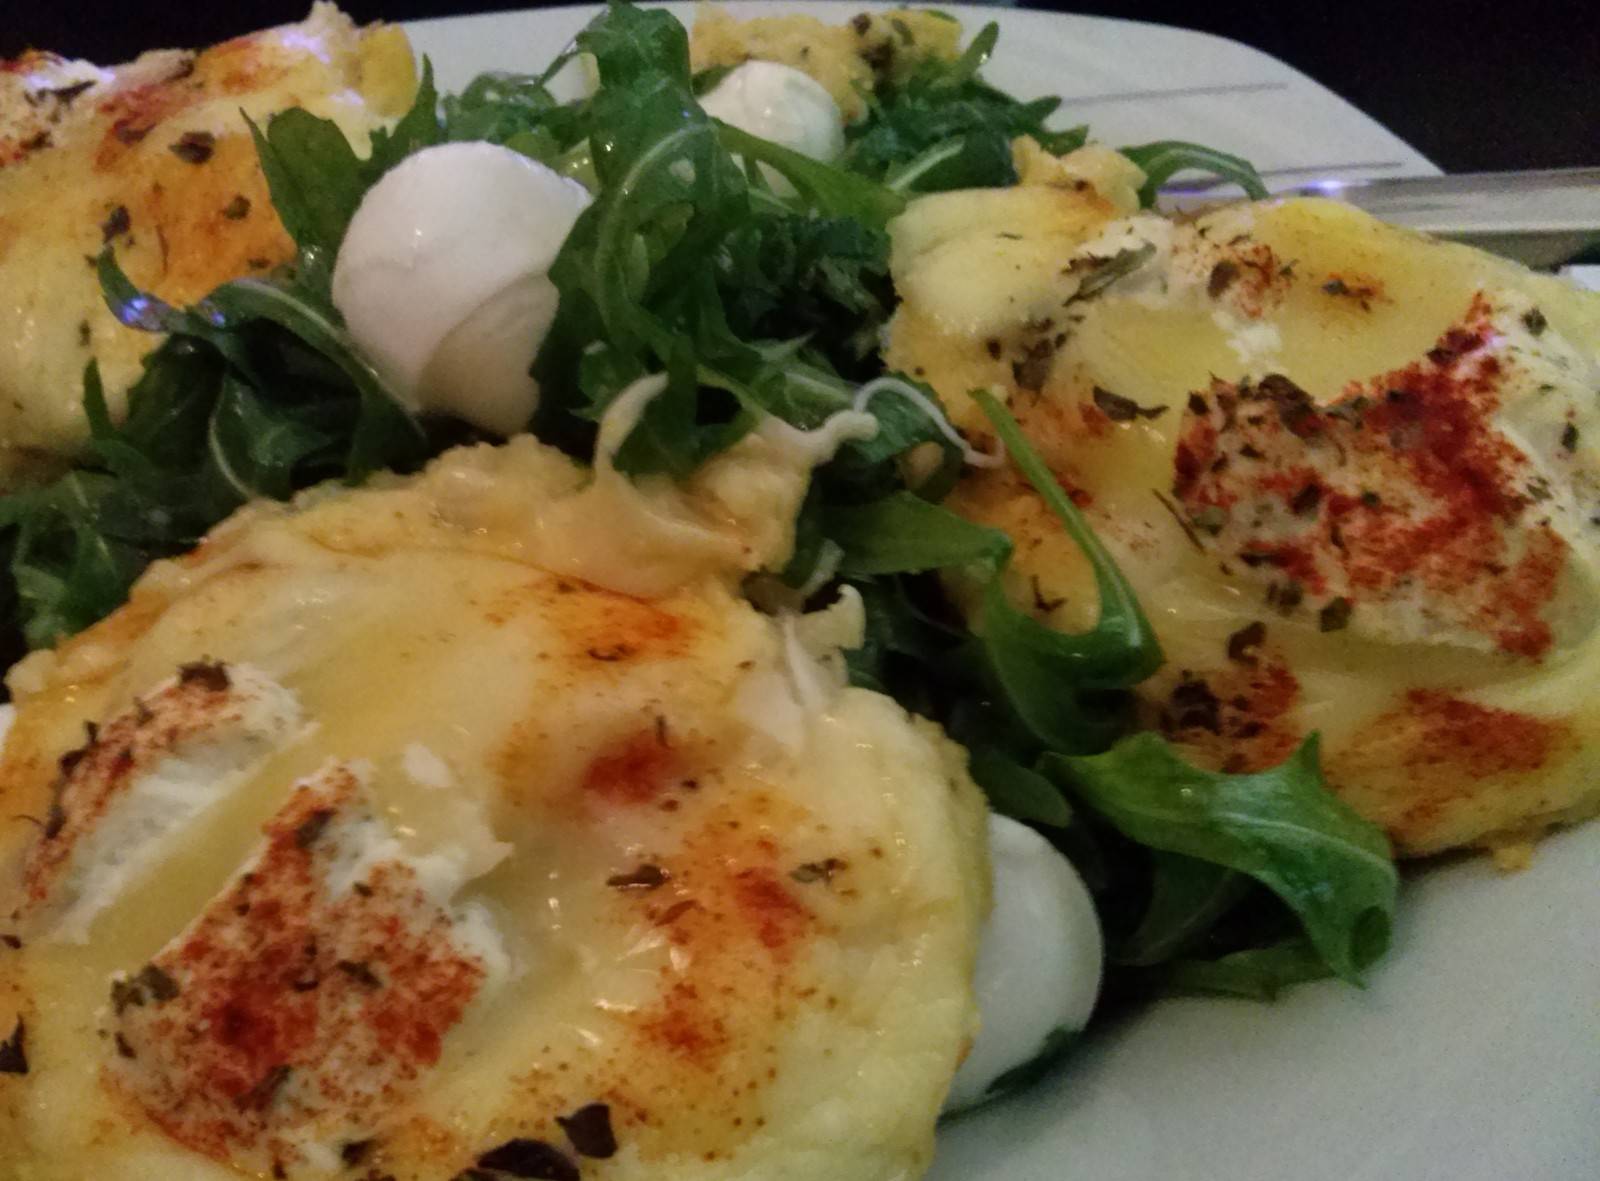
column 903, row 533
column 669, row 192
column 418, row 128
column 1163, row 160
column 256, row 392
column 1122, row 650
column 519, row 111
column 1259, row 973
column 943, row 127
column 317, row 180
column 1052, row 1050
column 1043, row 671
column 316, row 183
column 831, row 191
column 680, row 265
column 707, row 80
column 1050, row 679
column 256, row 445
column 1187, row 897
column 965, row 68
column 385, row 433
column 1017, row 791
column 628, row 42
column 66, row 572
column 1280, row 826
column 817, row 278
column 903, row 642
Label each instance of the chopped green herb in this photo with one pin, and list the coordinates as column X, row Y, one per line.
column 589, row 1131
column 1120, row 409
column 1335, row 615
column 14, row 1050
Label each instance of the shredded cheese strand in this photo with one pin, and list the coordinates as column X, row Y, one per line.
column 895, row 385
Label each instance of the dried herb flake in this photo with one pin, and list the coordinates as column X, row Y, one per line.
column 530, row 1158
column 646, row 877
column 208, row 674
column 1120, row 409
column 14, row 1051
column 589, row 1130
column 312, row 827
column 194, row 147
column 160, row 986
column 1244, row 643
column 1222, row 277
column 819, row 871
column 360, row 972
column 1335, row 616
column 1306, row 500
column 260, row 1096
column 117, row 222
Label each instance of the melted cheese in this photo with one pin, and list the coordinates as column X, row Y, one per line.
column 1364, row 462
column 127, row 797
column 610, row 881
column 154, row 158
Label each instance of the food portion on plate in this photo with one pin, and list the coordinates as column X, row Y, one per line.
column 154, row 158
column 686, row 632
column 1351, row 473
column 392, row 825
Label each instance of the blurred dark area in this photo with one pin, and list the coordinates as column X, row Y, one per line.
column 1472, row 85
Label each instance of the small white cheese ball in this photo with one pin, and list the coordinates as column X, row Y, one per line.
column 443, row 278
column 1038, row 964
column 781, row 104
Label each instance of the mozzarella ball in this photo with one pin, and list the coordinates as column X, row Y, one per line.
column 781, row 104
column 1039, row 960
column 443, row 278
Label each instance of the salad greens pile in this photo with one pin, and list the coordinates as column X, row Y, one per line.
column 1211, row 882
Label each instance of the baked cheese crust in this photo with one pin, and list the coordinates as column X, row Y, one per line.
column 380, row 837
column 153, row 158
column 1353, row 474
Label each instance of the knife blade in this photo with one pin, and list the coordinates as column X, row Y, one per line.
column 1540, row 218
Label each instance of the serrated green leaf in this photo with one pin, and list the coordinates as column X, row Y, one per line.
column 420, row 127
column 1163, row 160
column 257, row 445
column 1187, row 897
column 1281, row 826
column 1259, row 974
column 316, row 181
column 903, row 533
column 1017, row 791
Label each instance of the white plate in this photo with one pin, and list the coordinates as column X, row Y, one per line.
column 1475, row 1053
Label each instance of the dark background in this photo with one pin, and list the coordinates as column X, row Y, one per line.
column 1472, row 85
